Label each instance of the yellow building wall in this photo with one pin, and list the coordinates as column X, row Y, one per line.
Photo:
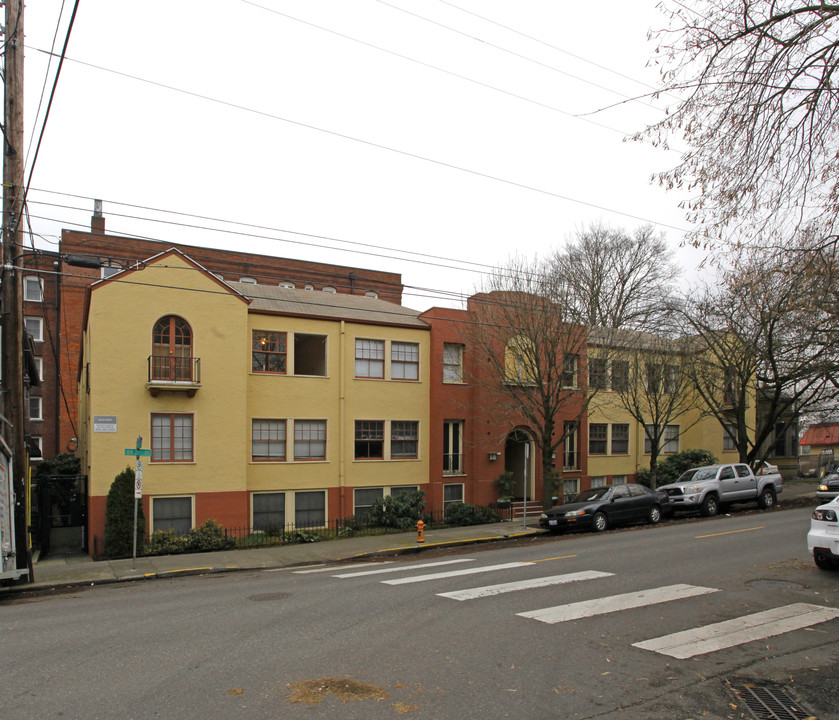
column 698, row 432
column 118, row 343
column 339, row 398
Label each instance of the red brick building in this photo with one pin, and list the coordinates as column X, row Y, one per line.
column 476, row 430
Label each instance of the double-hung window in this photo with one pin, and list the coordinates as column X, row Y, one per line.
column 35, row 327
column 268, row 440
column 597, row 377
column 268, row 352
column 597, row 438
column 369, row 358
column 404, row 361
column 404, row 439
column 452, row 363
column 171, row 437
column 310, row 439
column 369, row 439
column 33, row 289
column 620, row 439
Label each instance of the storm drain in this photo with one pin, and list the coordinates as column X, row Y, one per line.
column 771, row 703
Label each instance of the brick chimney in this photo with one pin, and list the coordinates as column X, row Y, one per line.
column 97, row 221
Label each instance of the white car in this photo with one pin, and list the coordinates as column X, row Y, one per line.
column 823, row 538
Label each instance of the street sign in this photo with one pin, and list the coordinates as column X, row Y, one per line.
column 138, row 480
column 139, row 452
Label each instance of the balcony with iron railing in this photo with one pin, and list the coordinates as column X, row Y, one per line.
column 173, row 374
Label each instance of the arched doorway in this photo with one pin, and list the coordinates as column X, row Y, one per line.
column 518, row 459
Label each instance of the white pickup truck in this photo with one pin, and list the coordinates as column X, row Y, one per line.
column 707, row 488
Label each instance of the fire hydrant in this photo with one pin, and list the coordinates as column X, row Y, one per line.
column 420, row 532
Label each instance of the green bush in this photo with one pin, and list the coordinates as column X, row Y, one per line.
column 401, row 511
column 462, row 513
column 207, row 537
column 670, row 470
column 119, row 517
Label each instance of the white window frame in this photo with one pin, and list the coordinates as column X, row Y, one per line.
column 39, row 403
column 28, row 282
column 39, row 363
column 452, row 489
column 453, row 367
column 598, row 481
column 449, row 438
column 39, row 322
column 570, row 486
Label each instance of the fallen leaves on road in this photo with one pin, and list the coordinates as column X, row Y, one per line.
column 312, row 692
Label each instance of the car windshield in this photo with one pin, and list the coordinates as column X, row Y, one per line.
column 697, row 474
column 591, row 495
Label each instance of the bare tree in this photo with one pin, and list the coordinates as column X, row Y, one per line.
column 769, row 324
column 653, row 379
column 758, row 111
column 527, row 331
column 615, row 279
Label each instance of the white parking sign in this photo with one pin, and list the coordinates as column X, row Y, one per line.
column 138, row 480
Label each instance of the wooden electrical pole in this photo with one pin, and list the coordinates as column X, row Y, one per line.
column 10, row 294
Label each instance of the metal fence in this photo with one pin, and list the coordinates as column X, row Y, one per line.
column 203, row 539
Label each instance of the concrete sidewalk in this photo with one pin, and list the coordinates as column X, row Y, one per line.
column 56, row 571
column 77, row 569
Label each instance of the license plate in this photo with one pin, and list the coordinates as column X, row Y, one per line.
column 833, row 529
column 551, row 522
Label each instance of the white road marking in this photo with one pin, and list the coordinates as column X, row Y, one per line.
column 615, row 603
column 456, row 573
column 332, row 568
column 490, row 590
column 402, row 568
column 687, row 644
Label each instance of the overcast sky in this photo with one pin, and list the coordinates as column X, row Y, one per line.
column 460, row 131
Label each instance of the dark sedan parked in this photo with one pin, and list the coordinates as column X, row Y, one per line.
column 828, row 488
column 600, row 508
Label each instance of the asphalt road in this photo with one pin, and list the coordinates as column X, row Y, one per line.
column 409, row 637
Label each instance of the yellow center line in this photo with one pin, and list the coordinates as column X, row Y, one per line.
column 561, row 557
column 730, row 532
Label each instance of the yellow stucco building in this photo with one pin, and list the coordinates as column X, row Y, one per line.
column 261, row 405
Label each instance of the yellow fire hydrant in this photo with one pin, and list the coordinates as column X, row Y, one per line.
column 420, row 532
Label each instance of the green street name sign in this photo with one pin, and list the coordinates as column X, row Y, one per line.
column 139, row 452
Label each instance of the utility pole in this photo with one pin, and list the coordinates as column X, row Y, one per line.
column 11, row 292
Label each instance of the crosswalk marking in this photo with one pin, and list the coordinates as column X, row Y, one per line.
column 614, row 603
column 455, row 573
column 687, row 644
column 402, row 568
column 333, row 568
column 490, row 590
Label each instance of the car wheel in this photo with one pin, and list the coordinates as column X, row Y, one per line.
column 766, row 501
column 599, row 522
column 654, row 516
column 823, row 562
column 710, row 506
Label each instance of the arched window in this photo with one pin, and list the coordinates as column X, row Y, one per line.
column 171, row 349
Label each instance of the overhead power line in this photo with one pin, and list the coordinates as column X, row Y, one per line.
column 379, row 146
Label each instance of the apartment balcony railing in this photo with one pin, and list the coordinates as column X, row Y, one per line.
column 453, row 464
column 173, row 374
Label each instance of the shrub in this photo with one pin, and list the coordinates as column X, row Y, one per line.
column 119, row 517
column 400, row 511
column 207, row 537
column 670, row 470
column 462, row 513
